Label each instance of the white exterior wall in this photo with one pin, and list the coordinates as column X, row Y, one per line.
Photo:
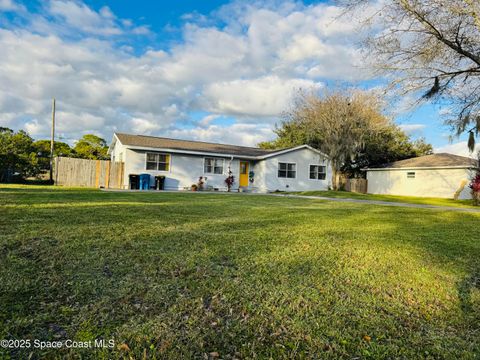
column 118, row 152
column 441, row 183
column 184, row 170
column 266, row 172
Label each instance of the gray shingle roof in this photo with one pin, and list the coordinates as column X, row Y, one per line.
column 433, row 161
column 167, row 143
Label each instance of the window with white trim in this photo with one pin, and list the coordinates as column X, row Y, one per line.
column 213, row 166
column 318, row 172
column 159, row 162
column 287, row 170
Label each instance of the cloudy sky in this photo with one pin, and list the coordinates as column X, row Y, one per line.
column 203, row 70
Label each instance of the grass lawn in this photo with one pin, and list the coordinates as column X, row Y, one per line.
column 182, row 275
column 391, row 198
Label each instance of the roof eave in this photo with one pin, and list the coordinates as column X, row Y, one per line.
column 421, row 168
column 284, row 151
column 112, row 143
column 226, row 154
column 192, row 152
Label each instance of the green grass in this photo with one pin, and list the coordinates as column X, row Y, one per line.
column 390, row 198
column 182, row 275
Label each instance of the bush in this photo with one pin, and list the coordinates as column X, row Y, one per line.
column 475, row 186
column 18, row 160
column 229, row 180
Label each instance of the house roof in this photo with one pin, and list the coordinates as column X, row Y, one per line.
column 441, row 160
column 200, row 146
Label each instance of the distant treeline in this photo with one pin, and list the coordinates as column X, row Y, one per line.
column 22, row 157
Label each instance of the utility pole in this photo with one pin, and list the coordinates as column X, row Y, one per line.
column 52, row 141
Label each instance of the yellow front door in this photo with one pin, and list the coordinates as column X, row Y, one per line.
column 243, row 173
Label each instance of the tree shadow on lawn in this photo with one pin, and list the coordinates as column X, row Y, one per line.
column 66, row 195
column 466, row 288
column 291, row 284
column 446, row 239
column 279, row 281
column 420, row 253
column 405, row 293
column 453, row 243
column 16, row 196
column 95, row 275
column 22, row 189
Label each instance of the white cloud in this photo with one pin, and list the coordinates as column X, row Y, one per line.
column 106, row 13
column 246, row 70
column 266, row 96
column 141, row 30
column 459, row 148
column 445, row 111
column 33, row 127
column 10, row 5
column 143, row 126
column 206, row 120
column 74, row 19
column 413, row 129
column 239, row 134
column 82, row 17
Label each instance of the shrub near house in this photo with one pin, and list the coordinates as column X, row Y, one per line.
column 475, row 186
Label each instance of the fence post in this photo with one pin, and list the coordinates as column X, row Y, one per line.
column 55, row 168
column 107, row 176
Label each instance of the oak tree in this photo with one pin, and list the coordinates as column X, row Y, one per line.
column 430, row 48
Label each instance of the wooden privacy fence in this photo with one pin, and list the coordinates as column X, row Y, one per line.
column 357, row 185
column 88, row 173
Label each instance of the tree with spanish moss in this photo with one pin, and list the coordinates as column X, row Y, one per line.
column 337, row 122
column 350, row 127
column 432, row 49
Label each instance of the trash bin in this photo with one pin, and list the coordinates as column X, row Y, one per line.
column 134, row 181
column 144, row 181
column 159, row 182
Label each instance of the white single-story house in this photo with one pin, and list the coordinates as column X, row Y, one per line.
column 182, row 162
column 437, row 175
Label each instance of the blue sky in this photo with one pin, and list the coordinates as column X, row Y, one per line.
column 204, row 70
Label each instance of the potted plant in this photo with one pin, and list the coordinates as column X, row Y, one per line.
column 229, row 180
column 194, row 187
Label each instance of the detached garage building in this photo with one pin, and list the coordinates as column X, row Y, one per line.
column 438, row 175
